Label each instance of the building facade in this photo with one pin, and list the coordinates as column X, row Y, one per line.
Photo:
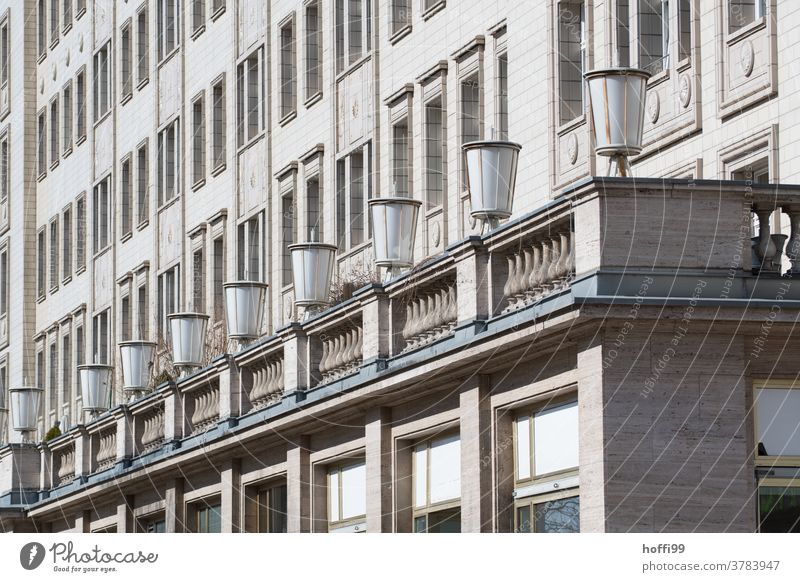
column 617, row 356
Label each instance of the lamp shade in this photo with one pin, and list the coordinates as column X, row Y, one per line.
column 394, row 223
column 312, row 270
column 244, row 308
column 25, row 403
column 137, row 360
column 188, row 334
column 617, row 99
column 96, row 386
column 491, row 177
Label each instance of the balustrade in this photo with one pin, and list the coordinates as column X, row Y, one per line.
column 106, row 451
column 342, row 352
column 267, row 383
column 66, row 465
column 153, row 431
column 430, row 315
column 206, row 408
column 768, row 248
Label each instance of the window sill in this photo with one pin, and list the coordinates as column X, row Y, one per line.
column 80, row 140
column 40, row 59
column 313, row 100
column 66, row 279
column 54, row 165
column 250, row 142
column 102, row 118
column 101, row 252
column 143, row 224
column 80, row 270
column 571, row 125
column 197, row 32
column 433, row 10
column 168, row 203
column 746, row 31
column 126, row 237
column 125, row 98
column 167, row 57
column 353, row 66
column 400, row 34
column 433, row 211
column 53, row 289
column 67, row 151
column 40, row 298
column 142, row 83
column 685, row 63
column 198, row 184
column 67, row 28
column 218, row 12
column 287, row 118
column 80, row 13
column 658, row 78
column 41, row 176
column 54, row 43
column 218, row 169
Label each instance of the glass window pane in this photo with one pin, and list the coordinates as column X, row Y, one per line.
column 779, row 509
column 445, row 475
column 524, row 519
column 523, row 447
column 559, row 516
column 555, row 439
column 354, row 491
column 420, row 524
column 420, row 476
column 333, row 495
column 277, row 509
column 447, row 521
column 777, row 413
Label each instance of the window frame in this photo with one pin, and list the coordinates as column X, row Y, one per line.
column 243, row 109
column 142, row 45
column 428, row 508
column 198, row 135
column 67, row 231
column 314, row 73
column 218, row 144
column 356, row 523
column 174, row 127
column 102, row 77
column 102, row 231
column 126, row 58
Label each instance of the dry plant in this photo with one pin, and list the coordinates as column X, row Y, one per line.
column 342, row 288
column 216, row 336
column 163, row 368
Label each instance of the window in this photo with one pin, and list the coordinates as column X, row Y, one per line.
column 218, row 133
column 437, row 485
column 80, row 233
column 66, row 368
column 288, row 234
column 80, row 109
column 53, row 21
column 40, row 374
column 126, row 197
column 502, row 96
column 102, row 81
column 347, row 497
column 81, row 8
column 168, row 296
column 434, row 153
column 313, row 50
column 208, row 518
column 314, row 210
column 143, row 311
column 41, row 28
column 142, row 183
column 546, row 451
column 55, row 121
column 66, row 117
column 155, row 526
column 684, row 29
column 249, row 254
column 80, row 345
column 126, row 58
column 777, row 405
column 168, row 27
column 41, row 263
column 353, row 188
column 198, row 140
column 353, row 31
column 101, row 215
column 623, row 33
column 571, row 59
column 125, row 318
column 52, row 380
column 401, row 171
column 4, row 282
column 66, row 244
column 4, row 401
column 198, row 281
column 654, row 35
column 41, row 142
column 401, row 15
column 198, row 15
column 100, row 338
column 217, row 6
column 142, row 45
column 743, row 12
column 4, row 175
column 4, row 52
column 169, row 162
column 249, row 100
column 54, row 264
column 470, row 96
column 218, row 250
column 288, row 73
column 272, row 509
column 67, row 15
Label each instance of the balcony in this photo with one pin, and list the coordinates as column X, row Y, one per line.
column 571, row 261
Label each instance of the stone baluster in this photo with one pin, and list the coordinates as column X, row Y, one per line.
column 764, row 247
column 793, row 246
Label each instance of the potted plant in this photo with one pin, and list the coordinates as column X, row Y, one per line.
column 394, row 223
column 491, row 178
column 137, row 362
column 312, row 270
column 96, row 387
column 25, row 403
column 244, row 308
column 188, row 335
column 617, row 103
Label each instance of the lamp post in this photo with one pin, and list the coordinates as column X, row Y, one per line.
column 96, row 387
column 617, row 102
column 25, row 404
column 394, row 223
column 244, row 309
column 312, row 270
column 137, row 362
column 188, row 335
column 491, row 179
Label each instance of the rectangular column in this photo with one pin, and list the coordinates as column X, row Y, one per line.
column 298, row 485
column 231, row 482
column 379, row 470
column 476, row 456
column 175, row 514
